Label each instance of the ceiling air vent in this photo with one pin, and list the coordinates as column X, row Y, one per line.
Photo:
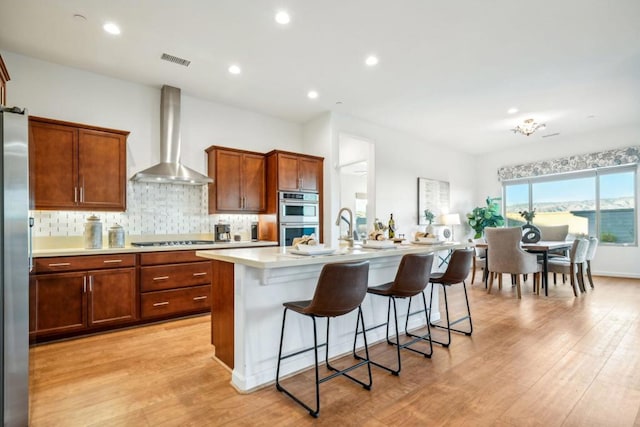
column 175, row 59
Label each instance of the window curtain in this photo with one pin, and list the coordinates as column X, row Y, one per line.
column 616, row 157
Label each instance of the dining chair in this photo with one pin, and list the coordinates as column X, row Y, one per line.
column 554, row 233
column 591, row 252
column 505, row 256
column 340, row 289
column 479, row 259
column 573, row 265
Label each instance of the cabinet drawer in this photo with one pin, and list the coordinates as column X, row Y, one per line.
column 175, row 301
column 161, row 277
column 92, row 262
column 170, row 257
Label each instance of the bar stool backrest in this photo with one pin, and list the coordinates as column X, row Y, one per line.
column 341, row 288
column 413, row 275
column 459, row 266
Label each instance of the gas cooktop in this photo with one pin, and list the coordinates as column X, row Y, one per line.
column 173, row 243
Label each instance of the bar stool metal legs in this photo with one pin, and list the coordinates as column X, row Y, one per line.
column 399, row 346
column 449, row 322
column 337, row 372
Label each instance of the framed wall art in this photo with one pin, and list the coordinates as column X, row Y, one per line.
column 432, row 195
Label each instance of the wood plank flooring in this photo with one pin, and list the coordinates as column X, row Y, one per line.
column 539, row 361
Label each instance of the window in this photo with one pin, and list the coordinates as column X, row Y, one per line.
column 598, row 202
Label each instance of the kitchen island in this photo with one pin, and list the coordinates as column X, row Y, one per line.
column 250, row 285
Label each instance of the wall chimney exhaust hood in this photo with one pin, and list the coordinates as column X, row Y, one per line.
column 170, row 170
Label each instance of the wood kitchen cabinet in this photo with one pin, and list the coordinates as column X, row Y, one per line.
column 4, row 78
column 295, row 172
column 239, row 180
column 174, row 283
column 76, row 167
column 76, row 294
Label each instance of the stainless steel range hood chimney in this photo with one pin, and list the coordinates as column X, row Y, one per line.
column 170, row 170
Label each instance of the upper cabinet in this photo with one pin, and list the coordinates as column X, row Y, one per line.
column 76, row 167
column 239, row 180
column 295, row 172
column 4, row 78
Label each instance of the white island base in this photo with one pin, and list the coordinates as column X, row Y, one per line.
column 250, row 285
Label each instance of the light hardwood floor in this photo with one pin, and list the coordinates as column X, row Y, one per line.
column 548, row 361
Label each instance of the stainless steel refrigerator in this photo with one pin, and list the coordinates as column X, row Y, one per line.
column 15, row 263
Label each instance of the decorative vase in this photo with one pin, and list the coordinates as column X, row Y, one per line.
column 530, row 233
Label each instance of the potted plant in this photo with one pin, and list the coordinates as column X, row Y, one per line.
column 528, row 216
column 485, row 216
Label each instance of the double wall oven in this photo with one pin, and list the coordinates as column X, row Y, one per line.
column 298, row 215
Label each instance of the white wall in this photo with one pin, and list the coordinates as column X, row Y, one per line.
column 399, row 160
column 64, row 93
column 610, row 260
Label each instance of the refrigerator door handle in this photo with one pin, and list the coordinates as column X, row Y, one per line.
column 30, row 243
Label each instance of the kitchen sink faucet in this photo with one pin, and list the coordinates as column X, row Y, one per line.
column 349, row 236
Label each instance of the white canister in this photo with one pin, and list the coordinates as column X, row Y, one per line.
column 93, row 233
column 116, row 236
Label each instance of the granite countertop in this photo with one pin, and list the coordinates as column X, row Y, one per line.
column 72, row 248
column 279, row 257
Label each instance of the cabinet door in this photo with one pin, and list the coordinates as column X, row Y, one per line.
column 228, row 181
column 58, row 302
column 53, row 166
column 101, row 170
column 288, row 172
column 254, row 183
column 112, row 296
column 309, row 172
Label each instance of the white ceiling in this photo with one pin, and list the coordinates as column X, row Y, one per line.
column 448, row 70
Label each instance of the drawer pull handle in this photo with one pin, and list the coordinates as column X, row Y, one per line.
column 109, row 261
column 158, row 304
column 59, row 264
column 161, row 278
column 199, row 298
column 199, row 274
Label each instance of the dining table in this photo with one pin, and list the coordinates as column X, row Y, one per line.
column 542, row 247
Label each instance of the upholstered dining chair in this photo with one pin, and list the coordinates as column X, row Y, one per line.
column 479, row 259
column 573, row 265
column 504, row 255
column 554, row 233
column 591, row 253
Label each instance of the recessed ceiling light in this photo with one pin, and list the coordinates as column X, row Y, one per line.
column 312, row 94
column 235, row 69
column 111, row 28
column 512, row 110
column 283, row 17
column 371, row 60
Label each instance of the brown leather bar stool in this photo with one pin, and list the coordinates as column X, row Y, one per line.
column 341, row 288
column 457, row 272
column 411, row 279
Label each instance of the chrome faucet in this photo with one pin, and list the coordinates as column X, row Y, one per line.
column 349, row 236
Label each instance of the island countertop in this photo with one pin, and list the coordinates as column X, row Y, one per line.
column 251, row 284
column 281, row 256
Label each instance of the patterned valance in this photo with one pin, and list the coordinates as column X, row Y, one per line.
column 619, row 156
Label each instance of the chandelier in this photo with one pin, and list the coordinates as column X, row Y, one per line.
column 528, row 127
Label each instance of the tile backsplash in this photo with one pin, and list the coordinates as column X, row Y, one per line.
column 151, row 209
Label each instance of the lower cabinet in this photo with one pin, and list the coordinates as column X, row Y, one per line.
column 174, row 283
column 73, row 301
column 76, row 295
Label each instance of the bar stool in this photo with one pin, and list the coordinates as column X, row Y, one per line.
column 411, row 279
column 457, row 272
column 341, row 288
